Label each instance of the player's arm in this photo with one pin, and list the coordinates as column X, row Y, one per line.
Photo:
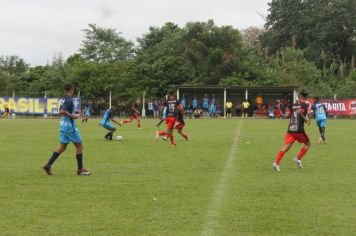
column 66, row 113
column 304, row 117
column 113, row 120
column 134, row 109
column 180, row 107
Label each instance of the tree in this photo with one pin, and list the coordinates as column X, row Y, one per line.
column 105, row 45
column 325, row 27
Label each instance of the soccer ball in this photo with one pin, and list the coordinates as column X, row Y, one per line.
column 119, row 138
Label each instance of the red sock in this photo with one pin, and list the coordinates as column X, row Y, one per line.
column 162, row 133
column 172, row 139
column 138, row 125
column 279, row 157
column 302, row 152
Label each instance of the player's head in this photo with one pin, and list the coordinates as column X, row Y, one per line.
column 138, row 100
column 317, row 99
column 303, row 94
column 170, row 96
column 69, row 89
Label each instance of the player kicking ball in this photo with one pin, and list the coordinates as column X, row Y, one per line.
column 69, row 133
column 320, row 115
column 134, row 115
column 172, row 107
column 296, row 132
column 105, row 122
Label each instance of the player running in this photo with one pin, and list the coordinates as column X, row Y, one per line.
column 320, row 115
column 88, row 111
column 179, row 125
column 134, row 115
column 173, row 106
column 296, row 132
column 105, row 122
column 68, row 132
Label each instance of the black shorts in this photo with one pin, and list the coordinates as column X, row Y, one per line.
column 7, row 110
column 228, row 110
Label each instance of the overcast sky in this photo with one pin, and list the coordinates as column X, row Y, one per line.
column 36, row 30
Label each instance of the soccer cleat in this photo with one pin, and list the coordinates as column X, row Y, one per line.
column 83, row 172
column 319, row 141
column 121, row 123
column 298, row 162
column 173, row 145
column 165, row 138
column 276, row 167
column 47, row 169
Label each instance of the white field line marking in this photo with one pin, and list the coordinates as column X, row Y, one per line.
column 217, row 200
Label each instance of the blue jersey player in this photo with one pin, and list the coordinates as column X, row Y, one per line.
column 88, row 111
column 69, row 132
column 105, row 122
column 320, row 115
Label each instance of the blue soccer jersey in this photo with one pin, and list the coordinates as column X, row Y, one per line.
column 67, row 124
column 107, row 116
column 87, row 109
column 320, row 111
column 205, row 103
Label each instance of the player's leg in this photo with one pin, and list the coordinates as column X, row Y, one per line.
column 323, row 128
column 288, row 143
column 131, row 118
column 304, row 139
column 62, row 147
column 137, row 118
column 79, row 157
column 184, row 135
column 111, row 130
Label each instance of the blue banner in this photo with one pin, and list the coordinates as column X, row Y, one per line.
column 35, row 106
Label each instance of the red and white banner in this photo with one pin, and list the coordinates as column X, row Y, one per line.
column 339, row 107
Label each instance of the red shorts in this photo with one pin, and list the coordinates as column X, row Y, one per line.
column 170, row 121
column 299, row 137
column 179, row 125
column 135, row 117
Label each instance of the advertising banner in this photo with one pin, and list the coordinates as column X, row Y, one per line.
column 35, row 106
column 339, row 107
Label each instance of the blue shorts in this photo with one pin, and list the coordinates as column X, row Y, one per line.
column 321, row 123
column 108, row 126
column 70, row 136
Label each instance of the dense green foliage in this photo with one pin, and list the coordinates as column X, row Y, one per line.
column 310, row 43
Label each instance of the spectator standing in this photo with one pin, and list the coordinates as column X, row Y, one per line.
column 206, row 103
column 229, row 106
column 155, row 109
column 212, row 109
column 238, row 109
column 195, row 103
column 245, row 108
column 183, row 102
column 150, row 108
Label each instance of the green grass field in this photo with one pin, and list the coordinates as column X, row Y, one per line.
column 219, row 183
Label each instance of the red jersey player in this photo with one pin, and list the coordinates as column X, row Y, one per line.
column 179, row 125
column 296, row 132
column 134, row 114
column 172, row 107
